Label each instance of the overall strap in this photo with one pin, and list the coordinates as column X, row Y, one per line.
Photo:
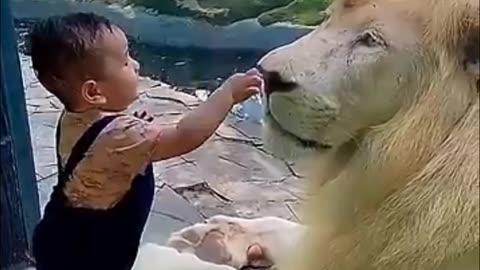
column 57, row 145
column 81, row 147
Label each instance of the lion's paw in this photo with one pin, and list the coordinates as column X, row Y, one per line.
column 232, row 241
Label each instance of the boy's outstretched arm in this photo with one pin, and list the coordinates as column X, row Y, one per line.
column 198, row 125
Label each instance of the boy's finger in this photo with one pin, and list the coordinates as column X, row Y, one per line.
column 255, row 81
column 255, row 252
column 253, row 90
column 254, row 71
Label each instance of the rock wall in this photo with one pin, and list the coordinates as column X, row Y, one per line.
column 151, row 28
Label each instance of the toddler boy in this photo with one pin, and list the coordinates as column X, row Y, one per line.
column 98, row 209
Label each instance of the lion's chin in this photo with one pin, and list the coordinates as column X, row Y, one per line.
column 285, row 145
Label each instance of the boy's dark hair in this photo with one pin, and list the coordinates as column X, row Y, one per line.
column 61, row 42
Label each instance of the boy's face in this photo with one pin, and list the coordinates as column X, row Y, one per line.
column 117, row 88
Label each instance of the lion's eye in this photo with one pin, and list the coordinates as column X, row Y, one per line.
column 370, row 39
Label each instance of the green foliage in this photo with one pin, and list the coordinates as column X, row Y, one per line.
column 168, row 7
column 236, row 10
column 303, row 12
column 223, row 12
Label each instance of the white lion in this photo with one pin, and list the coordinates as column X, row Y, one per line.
column 384, row 99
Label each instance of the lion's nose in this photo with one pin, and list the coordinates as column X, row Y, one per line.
column 274, row 82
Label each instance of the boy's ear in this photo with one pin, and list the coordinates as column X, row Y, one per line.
column 92, row 94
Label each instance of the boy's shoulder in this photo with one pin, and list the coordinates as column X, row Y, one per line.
column 123, row 130
column 131, row 125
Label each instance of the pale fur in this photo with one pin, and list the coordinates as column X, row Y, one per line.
column 154, row 257
column 409, row 197
column 400, row 192
column 277, row 234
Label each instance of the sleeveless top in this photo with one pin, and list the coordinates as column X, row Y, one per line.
column 81, row 238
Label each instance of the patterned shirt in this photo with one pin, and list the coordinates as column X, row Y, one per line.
column 120, row 152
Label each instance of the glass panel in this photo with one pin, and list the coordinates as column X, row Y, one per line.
column 190, row 47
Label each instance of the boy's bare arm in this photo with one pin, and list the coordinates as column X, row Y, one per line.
column 198, row 125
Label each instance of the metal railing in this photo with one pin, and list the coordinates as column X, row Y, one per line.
column 19, row 195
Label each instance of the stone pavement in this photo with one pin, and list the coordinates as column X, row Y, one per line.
column 231, row 174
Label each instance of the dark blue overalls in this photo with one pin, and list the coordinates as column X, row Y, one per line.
column 69, row 238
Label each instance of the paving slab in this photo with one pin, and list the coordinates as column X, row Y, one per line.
column 170, row 212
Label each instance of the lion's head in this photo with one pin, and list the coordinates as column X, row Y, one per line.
column 367, row 65
column 386, row 94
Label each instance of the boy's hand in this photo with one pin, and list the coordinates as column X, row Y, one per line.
column 244, row 85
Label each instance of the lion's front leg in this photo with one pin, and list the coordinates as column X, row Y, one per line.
column 239, row 242
column 154, row 257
